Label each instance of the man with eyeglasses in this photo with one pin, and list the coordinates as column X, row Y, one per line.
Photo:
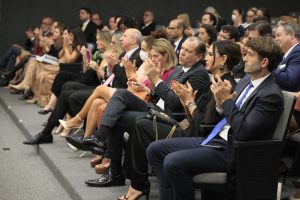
column 175, row 32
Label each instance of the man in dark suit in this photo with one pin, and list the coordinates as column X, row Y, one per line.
column 287, row 75
column 87, row 26
column 124, row 107
column 251, row 113
column 148, row 24
column 176, row 34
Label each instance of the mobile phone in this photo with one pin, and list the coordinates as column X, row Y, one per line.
column 88, row 56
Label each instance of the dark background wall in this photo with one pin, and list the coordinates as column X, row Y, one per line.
column 17, row 15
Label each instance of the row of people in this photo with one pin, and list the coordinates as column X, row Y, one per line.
column 160, row 84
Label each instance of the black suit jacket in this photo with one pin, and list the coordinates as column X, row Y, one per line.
column 257, row 118
column 146, row 30
column 120, row 79
column 177, row 50
column 90, row 32
column 197, row 77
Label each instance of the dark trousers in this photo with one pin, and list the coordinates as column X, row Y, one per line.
column 61, row 78
column 175, row 162
column 69, row 101
column 120, row 102
column 136, row 163
column 8, row 60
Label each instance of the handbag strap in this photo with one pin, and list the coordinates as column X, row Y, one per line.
column 170, row 134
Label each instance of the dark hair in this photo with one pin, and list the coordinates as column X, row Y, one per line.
column 158, row 33
column 79, row 37
column 265, row 13
column 200, row 48
column 232, row 30
column 212, row 17
column 129, row 22
column 260, row 18
column 263, row 28
column 87, row 10
column 231, row 49
column 240, row 11
column 211, row 32
column 266, row 47
column 97, row 13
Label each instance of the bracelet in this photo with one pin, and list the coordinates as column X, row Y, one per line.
column 190, row 103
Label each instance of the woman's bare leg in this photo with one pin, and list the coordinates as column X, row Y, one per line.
column 52, row 102
column 91, row 122
column 103, row 92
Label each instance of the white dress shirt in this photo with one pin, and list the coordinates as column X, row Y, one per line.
column 224, row 132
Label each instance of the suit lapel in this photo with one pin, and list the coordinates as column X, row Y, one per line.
column 262, row 85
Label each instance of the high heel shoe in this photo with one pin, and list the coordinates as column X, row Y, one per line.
column 18, row 87
column 96, row 160
column 64, row 124
column 45, row 111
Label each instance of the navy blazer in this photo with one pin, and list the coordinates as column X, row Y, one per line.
column 197, row 77
column 257, row 118
column 287, row 76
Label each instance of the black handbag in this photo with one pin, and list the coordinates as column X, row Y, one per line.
column 158, row 116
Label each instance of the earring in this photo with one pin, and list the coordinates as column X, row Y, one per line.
column 222, row 68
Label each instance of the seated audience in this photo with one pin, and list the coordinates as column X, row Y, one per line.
column 176, row 161
column 91, row 75
column 221, row 56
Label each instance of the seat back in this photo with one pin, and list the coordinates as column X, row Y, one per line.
column 288, row 107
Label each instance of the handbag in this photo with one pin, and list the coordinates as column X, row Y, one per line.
column 158, row 116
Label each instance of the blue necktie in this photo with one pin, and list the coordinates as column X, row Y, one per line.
column 223, row 122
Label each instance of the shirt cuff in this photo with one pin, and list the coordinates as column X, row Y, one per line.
column 220, row 110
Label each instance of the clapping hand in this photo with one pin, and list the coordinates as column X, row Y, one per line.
column 221, row 90
column 136, row 86
column 130, row 68
column 184, row 92
column 152, row 71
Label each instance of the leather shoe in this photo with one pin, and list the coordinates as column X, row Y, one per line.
column 15, row 91
column 40, row 138
column 106, row 180
column 45, row 111
column 28, row 94
column 87, row 144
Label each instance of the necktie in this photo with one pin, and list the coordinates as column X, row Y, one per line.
column 179, row 75
column 223, row 122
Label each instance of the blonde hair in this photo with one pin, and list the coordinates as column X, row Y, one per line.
column 165, row 48
column 104, row 36
column 117, row 45
column 185, row 18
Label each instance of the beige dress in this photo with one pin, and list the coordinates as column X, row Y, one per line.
column 42, row 82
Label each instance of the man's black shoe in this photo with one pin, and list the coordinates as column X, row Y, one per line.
column 106, row 180
column 87, row 144
column 40, row 138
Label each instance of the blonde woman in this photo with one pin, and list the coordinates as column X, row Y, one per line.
column 91, row 76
